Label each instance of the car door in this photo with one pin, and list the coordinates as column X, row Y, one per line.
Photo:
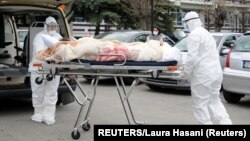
column 66, row 6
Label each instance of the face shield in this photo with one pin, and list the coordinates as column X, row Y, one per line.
column 189, row 17
column 51, row 25
column 186, row 29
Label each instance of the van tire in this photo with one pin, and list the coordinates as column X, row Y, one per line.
column 154, row 87
column 59, row 100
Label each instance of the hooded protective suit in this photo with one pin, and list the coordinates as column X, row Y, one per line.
column 44, row 96
column 203, row 67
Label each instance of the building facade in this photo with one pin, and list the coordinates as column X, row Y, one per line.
column 237, row 13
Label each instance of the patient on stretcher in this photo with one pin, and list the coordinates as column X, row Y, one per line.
column 102, row 50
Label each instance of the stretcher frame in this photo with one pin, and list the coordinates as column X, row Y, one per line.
column 118, row 71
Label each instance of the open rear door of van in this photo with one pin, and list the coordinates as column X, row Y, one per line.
column 65, row 5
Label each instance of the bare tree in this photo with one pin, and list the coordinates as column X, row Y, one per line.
column 219, row 14
column 207, row 11
column 243, row 18
column 142, row 10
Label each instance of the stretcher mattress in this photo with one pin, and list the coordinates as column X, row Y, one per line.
column 130, row 63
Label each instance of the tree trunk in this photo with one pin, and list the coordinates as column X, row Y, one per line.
column 97, row 28
column 243, row 22
column 148, row 25
column 217, row 29
column 142, row 9
column 143, row 22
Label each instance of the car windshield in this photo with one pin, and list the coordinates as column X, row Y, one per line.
column 243, row 45
column 179, row 34
column 181, row 45
column 120, row 36
column 168, row 40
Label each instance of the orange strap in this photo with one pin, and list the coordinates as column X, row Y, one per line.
column 37, row 65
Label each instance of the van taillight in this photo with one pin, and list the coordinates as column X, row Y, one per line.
column 228, row 58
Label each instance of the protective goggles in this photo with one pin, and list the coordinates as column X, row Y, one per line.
column 191, row 19
column 52, row 25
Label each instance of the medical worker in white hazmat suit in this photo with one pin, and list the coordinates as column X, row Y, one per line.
column 203, row 67
column 44, row 96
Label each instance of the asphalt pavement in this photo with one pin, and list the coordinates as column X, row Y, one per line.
column 163, row 107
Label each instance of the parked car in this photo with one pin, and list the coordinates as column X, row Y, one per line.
column 223, row 40
column 14, row 59
column 247, row 33
column 129, row 36
column 236, row 74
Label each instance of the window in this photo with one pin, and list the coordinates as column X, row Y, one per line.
column 141, row 38
column 243, row 45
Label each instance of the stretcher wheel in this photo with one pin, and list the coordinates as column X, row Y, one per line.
column 75, row 134
column 39, row 80
column 86, row 127
column 49, row 77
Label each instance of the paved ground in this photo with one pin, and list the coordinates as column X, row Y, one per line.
column 161, row 107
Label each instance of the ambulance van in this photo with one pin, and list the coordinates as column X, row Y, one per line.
column 14, row 58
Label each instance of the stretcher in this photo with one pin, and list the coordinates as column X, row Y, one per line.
column 117, row 70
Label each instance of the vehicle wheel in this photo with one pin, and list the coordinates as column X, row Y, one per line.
column 86, row 127
column 59, row 100
column 128, row 80
column 75, row 135
column 65, row 97
column 231, row 97
column 153, row 87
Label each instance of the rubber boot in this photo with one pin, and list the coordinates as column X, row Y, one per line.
column 38, row 114
column 49, row 115
column 226, row 121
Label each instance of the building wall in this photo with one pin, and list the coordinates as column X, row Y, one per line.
column 234, row 8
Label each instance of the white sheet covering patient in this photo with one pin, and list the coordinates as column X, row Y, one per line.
column 99, row 50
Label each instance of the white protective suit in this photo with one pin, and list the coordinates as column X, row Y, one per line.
column 44, row 96
column 203, row 67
